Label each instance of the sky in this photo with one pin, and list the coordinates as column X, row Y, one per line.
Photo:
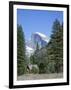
column 37, row 21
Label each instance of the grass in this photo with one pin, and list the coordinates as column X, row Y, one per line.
column 40, row 76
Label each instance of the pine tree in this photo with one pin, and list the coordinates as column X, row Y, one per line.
column 37, row 48
column 55, row 48
column 21, row 65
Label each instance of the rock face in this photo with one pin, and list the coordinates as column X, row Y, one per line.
column 39, row 38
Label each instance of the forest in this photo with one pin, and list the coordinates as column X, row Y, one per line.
column 48, row 59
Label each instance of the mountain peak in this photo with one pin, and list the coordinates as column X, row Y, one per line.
column 39, row 38
column 42, row 35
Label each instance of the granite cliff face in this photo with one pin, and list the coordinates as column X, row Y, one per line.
column 39, row 38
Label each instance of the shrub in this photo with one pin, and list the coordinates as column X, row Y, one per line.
column 51, row 68
column 35, row 70
column 42, row 68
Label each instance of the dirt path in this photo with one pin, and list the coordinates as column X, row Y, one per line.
column 39, row 76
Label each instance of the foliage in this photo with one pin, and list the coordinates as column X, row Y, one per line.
column 40, row 58
column 55, row 47
column 37, row 47
column 35, row 70
column 51, row 67
column 21, row 65
column 50, row 58
column 42, row 68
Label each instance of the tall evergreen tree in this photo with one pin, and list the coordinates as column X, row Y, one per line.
column 55, row 48
column 37, row 48
column 21, row 65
